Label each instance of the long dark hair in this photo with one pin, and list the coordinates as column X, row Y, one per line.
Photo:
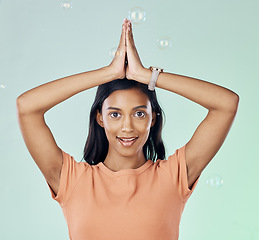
column 96, row 146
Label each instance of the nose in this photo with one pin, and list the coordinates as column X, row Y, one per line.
column 127, row 125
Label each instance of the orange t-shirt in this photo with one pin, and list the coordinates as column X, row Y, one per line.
column 131, row 204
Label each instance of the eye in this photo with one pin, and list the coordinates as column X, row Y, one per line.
column 114, row 114
column 140, row 114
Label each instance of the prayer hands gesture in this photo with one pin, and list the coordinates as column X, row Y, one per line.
column 126, row 62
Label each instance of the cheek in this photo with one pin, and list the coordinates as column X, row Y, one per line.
column 143, row 127
column 110, row 125
column 111, row 128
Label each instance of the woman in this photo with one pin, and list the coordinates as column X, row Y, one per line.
column 120, row 191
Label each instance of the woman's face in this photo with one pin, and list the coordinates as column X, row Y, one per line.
column 126, row 118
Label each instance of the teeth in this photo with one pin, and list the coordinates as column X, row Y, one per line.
column 127, row 140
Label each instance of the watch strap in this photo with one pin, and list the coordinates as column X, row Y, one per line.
column 152, row 83
column 154, row 76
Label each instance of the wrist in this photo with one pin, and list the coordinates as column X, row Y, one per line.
column 112, row 74
column 143, row 75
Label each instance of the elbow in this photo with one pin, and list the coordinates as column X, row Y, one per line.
column 236, row 102
column 230, row 103
column 20, row 105
column 233, row 106
column 26, row 105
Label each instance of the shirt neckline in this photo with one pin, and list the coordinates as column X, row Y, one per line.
column 121, row 172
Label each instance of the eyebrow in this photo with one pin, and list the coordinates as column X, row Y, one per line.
column 114, row 108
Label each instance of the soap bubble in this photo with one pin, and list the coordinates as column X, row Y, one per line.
column 2, row 86
column 215, row 181
column 137, row 15
column 116, row 51
column 67, row 4
column 164, row 42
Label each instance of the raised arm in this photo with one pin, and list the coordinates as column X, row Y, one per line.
column 222, row 105
column 33, row 104
column 44, row 97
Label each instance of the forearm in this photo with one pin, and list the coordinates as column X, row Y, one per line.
column 208, row 95
column 46, row 96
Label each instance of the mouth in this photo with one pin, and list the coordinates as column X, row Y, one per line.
column 127, row 142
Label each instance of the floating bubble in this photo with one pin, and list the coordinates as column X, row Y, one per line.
column 66, row 4
column 137, row 15
column 116, row 51
column 164, row 42
column 215, row 181
column 2, row 86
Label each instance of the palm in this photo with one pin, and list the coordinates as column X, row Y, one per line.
column 119, row 62
column 134, row 63
column 132, row 57
column 126, row 62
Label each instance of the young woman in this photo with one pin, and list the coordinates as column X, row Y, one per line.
column 125, row 189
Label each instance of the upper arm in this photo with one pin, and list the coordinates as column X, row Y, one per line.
column 42, row 146
column 206, row 141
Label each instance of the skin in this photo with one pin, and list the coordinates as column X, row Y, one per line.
column 126, row 51
column 126, row 122
column 221, row 103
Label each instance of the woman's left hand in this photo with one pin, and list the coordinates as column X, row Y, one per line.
column 134, row 65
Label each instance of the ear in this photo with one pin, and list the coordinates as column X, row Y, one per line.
column 99, row 118
column 153, row 118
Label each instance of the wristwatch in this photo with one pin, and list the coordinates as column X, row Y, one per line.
column 155, row 73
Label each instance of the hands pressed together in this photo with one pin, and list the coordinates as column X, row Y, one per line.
column 126, row 62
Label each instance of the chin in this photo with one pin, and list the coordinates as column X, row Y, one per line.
column 128, row 153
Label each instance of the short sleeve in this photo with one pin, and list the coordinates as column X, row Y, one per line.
column 178, row 171
column 70, row 174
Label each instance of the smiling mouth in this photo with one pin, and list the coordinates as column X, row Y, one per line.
column 127, row 141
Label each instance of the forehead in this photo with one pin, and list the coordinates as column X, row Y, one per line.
column 128, row 98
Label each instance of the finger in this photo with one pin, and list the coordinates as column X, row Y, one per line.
column 129, row 36
column 130, row 41
column 122, row 43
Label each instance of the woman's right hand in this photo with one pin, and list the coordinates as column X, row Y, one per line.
column 117, row 65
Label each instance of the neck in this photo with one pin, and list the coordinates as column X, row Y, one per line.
column 116, row 162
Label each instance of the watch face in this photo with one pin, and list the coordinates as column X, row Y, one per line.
column 156, row 69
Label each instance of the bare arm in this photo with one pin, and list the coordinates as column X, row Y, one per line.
column 209, row 136
column 46, row 96
column 221, row 102
column 31, row 107
column 33, row 104
column 208, row 95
